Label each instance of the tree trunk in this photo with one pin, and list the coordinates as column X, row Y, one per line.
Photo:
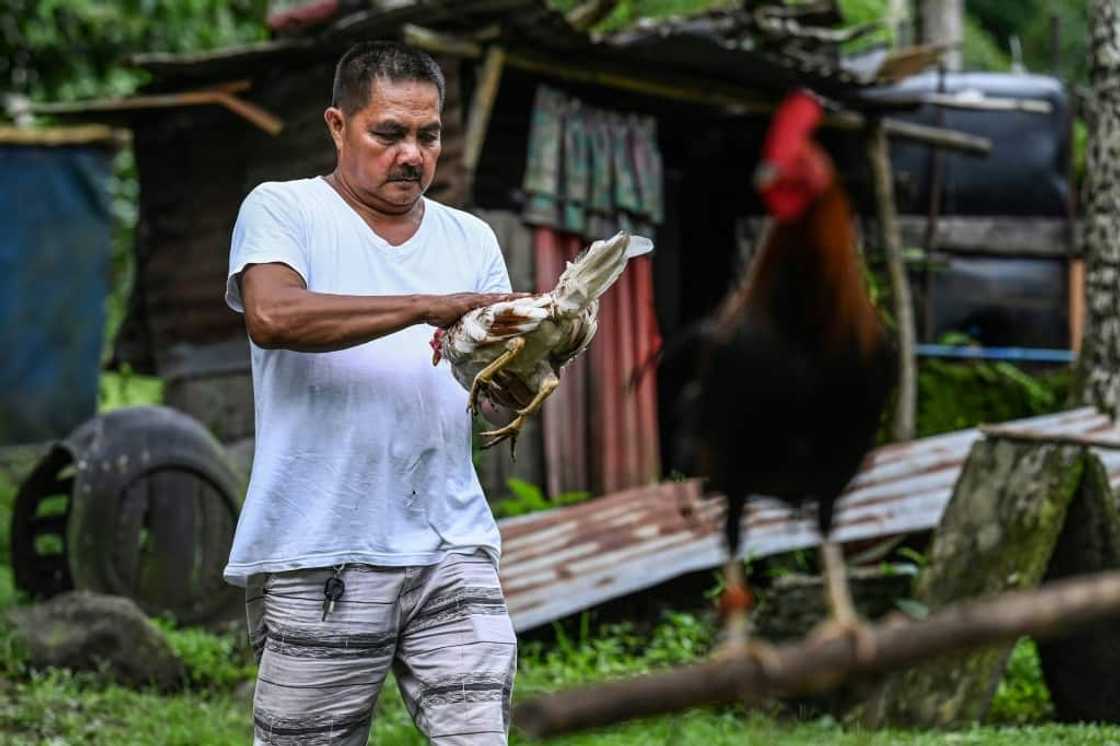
column 943, row 23
column 1099, row 374
column 997, row 534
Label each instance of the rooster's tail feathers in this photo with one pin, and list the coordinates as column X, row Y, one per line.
column 593, row 272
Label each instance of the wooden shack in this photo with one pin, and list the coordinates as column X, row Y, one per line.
column 687, row 98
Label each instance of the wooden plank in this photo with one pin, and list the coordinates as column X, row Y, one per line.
column 90, row 134
column 478, row 120
column 1009, row 235
column 220, row 96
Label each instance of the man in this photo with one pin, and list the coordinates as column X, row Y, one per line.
column 365, row 541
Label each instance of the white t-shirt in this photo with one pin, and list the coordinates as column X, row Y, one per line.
column 362, row 455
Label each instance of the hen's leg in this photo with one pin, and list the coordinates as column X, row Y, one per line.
column 843, row 619
column 511, row 431
column 513, row 347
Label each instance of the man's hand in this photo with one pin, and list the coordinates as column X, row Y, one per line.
column 445, row 310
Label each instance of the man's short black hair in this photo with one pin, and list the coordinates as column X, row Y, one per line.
column 367, row 61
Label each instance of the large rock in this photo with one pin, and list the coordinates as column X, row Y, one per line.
column 795, row 603
column 998, row 533
column 84, row 631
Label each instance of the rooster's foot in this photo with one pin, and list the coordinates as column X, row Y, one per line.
column 763, row 654
column 857, row 631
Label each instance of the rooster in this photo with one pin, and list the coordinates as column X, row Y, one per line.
column 502, row 350
column 794, row 368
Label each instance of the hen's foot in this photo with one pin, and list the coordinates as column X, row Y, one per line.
column 513, row 348
column 510, row 431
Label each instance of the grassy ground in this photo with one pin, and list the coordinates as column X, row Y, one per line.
column 54, row 707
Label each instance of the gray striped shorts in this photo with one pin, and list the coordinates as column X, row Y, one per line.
column 443, row 628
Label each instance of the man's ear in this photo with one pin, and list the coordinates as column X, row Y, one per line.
column 336, row 124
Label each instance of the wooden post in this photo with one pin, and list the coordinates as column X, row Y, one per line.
column 997, row 534
column 878, row 156
column 1076, row 303
column 478, row 121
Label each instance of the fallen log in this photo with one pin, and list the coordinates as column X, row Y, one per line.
column 816, row 665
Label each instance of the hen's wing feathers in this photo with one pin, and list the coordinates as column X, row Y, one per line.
column 495, row 323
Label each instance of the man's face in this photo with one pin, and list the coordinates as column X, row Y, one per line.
column 387, row 151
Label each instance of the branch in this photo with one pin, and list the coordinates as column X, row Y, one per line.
column 879, row 159
column 816, row 665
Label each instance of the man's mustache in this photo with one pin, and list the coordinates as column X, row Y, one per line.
column 406, row 173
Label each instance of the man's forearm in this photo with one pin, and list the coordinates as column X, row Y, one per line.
column 305, row 321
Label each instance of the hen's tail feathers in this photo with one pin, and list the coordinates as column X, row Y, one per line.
column 593, row 272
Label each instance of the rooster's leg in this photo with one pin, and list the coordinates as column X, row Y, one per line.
column 843, row 620
column 513, row 347
column 736, row 599
column 548, row 385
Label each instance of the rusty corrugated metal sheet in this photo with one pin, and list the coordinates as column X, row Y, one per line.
column 563, row 561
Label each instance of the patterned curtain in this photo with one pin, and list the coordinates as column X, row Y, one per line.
column 590, row 173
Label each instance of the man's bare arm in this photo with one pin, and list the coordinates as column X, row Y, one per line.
column 280, row 312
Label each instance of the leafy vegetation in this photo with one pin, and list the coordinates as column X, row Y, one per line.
column 957, row 395
column 1022, row 697
column 529, row 498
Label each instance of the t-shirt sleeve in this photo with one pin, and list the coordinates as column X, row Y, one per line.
column 494, row 277
column 269, row 228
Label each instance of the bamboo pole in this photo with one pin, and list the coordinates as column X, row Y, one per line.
column 478, row 121
column 878, row 156
column 819, row 664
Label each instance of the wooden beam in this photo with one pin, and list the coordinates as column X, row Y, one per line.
column 819, row 664
column 90, row 134
column 437, row 43
column 878, row 156
column 987, row 103
column 588, row 13
column 734, row 99
column 1010, row 235
column 478, row 121
column 221, row 95
column 935, row 136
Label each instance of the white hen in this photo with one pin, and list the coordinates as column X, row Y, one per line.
column 522, row 344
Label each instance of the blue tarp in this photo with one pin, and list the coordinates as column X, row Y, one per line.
column 55, row 236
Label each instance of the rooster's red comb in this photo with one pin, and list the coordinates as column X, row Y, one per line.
column 795, row 119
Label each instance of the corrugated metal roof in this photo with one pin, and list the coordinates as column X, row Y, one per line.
column 562, row 561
